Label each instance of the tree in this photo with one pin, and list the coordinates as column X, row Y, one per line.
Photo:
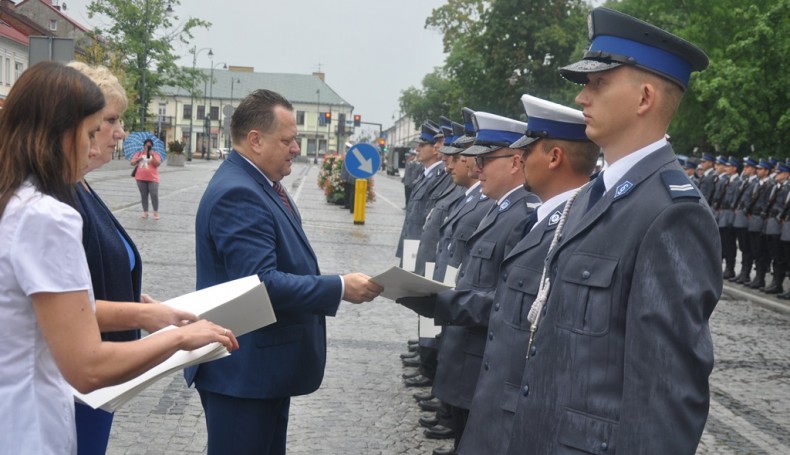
column 142, row 32
column 497, row 51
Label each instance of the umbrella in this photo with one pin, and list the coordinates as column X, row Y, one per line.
column 134, row 143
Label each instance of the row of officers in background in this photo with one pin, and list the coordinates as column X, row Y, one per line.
column 751, row 201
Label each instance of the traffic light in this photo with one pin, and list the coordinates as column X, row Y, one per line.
column 381, row 142
column 327, row 117
column 341, row 123
column 357, row 120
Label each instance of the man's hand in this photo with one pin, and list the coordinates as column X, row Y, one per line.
column 359, row 288
column 424, row 306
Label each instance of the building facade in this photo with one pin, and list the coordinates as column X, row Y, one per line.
column 13, row 56
column 403, row 133
column 202, row 121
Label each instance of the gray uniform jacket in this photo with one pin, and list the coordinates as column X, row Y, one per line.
column 773, row 225
column 785, row 235
column 411, row 173
column 742, row 200
column 444, row 197
column 464, row 310
column 707, row 185
column 456, row 229
column 725, row 209
column 420, row 203
column 761, row 196
column 490, row 422
column 623, row 352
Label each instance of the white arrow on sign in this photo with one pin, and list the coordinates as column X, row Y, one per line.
column 364, row 165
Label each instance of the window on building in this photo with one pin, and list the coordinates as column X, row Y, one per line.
column 214, row 112
column 53, row 25
column 187, row 111
column 201, row 112
column 7, row 71
column 300, row 117
column 18, row 69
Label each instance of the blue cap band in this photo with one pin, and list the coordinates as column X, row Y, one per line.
column 651, row 57
column 425, row 137
column 558, row 130
column 469, row 128
column 497, row 137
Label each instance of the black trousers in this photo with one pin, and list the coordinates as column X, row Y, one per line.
column 728, row 246
column 459, row 417
column 747, row 258
column 760, row 251
column 777, row 257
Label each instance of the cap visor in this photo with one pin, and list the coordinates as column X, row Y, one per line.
column 577, row 72
column 463, row 140
column 523, row 142
column 450, row 150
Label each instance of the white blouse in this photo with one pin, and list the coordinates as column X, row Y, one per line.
column 40, row 251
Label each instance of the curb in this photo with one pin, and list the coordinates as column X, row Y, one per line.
column 766, row 302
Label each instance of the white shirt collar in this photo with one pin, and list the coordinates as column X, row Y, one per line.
column 621, row 167
column 257, row 169
column 429, row 169
column 472, row 188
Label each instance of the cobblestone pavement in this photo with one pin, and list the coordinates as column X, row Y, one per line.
column 362, row 406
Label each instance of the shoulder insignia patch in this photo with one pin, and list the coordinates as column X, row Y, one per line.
column 678, row 185
column 504, row 205
column 623, row 189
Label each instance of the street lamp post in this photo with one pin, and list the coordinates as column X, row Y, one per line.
column 317, row 122
column 208, row 114
column 192, row 96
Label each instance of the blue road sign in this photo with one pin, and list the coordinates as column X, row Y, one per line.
column 362, row 161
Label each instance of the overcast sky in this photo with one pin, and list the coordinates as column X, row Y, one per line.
column 370, row 50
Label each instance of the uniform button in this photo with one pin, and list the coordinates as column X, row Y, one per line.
column 490, row 335
column 496, row 307
column 604, row 447
column 520, row 283
column 485, row 366
column 479, row 250
column 586, row 274
column 533, row 350
column 504, row 276
column 525, row 390
column 554, row 270
column 461, row 274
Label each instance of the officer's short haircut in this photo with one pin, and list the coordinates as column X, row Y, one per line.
column 583, row 155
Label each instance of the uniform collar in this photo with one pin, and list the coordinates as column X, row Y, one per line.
column 502, row 199
column 619, row 168
column 429, row 170
column 472, row 188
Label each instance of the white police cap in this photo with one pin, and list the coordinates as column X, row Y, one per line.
column 494, row 132
column 550, row 120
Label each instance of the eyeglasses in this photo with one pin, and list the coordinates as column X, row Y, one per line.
column 480, row 161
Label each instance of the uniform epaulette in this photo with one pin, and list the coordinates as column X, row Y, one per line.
column 678, row 185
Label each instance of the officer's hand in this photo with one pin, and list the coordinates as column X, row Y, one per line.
column 424, row 306
column 359, row 288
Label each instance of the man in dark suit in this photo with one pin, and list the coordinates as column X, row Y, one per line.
column 558, row 158
column 247, row 224
column 623, row 350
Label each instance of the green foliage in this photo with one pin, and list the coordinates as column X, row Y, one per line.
column 143, row 33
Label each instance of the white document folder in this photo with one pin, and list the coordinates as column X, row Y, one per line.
column 241, row 305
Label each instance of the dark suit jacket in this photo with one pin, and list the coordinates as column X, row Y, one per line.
column 490, row 420
column 243, row 228
column 108, row 258
column 623, row 351
column 464, row 310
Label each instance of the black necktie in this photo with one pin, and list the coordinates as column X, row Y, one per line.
column 596, row 190
column 284, row 197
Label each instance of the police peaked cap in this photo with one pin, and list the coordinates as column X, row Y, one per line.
column 619, row 39
column 451, row 145
column 551, row 121
column 494, row 132
column 428, row 132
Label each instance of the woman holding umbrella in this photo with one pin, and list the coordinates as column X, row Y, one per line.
column 146, row 163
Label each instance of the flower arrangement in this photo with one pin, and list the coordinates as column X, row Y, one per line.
column 329, row 180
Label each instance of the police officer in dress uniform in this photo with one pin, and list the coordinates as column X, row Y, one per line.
column 411, row 173
column 726, row 192
column 708, row 177
column 785, row 235
column 743, row 196
column 773, row 228
column 558, row 158
column 623, row 350
column 690, row 168
column 761, row 197
column 464, row 337
column 419, row 203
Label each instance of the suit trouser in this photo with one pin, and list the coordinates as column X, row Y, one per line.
column 459, row 418
column 728, row 247
column 245, row 426
column 747, row 258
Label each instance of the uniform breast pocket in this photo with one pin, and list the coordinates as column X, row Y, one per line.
column 586, row 301
column 483, row 271
column 522, row 288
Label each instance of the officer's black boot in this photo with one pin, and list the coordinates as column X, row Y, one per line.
column 776, row 283
column 729, row 272
column 758, row 281
column 744, row 277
